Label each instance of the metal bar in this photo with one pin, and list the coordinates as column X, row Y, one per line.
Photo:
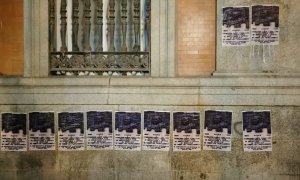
column 75, row 27
column 52, row 25
column 111, row 24
column 63, row 30
column 87, row 25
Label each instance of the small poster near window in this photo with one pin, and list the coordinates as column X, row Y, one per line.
column 236, row 26
column 156, row 130
column 70, row 131
column 41, row 131
column 217, row 130
column 99, row 130
column 265, row 25
column 14, row 134
column 128, row 131
column 186, row 131
column 257, row 132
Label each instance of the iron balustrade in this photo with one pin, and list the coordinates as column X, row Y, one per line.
column 99, row 37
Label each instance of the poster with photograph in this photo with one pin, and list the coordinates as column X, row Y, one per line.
column 186, row 131
column 128, row 131
column 217, row 130
column 41, row 131
column 265, row 25
column 156, row 130
column 257, row 134
column 236, row 26
column 14, row 134
column 70, row 131
column 99, row 130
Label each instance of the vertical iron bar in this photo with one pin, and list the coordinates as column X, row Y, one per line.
column 87, row 25
column 124, row 24
column 148, row 24
column 99, row 24
column 136, row 22
column 111, row 24
column 75, row 27
column 63, row 30
column 52, row 25
column 130, row 29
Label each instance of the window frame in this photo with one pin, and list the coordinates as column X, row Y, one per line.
column 36, row 38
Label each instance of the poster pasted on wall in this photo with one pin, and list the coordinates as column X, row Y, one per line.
column 99, row 130
column 41, row 131
column 217, row 130
column 70, row 131
column 14, row 134
column 186, row 131
column 257, row 134
column 128, row 131
column 236, row 27
column 265, row 25
column 156, row 130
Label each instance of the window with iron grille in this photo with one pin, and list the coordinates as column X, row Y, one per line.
column 99, row 37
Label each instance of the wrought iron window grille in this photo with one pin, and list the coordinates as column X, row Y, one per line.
column 99, row 37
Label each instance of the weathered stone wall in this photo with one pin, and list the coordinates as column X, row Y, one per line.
column 279, row 92
column 280, row 59
column 280, row 95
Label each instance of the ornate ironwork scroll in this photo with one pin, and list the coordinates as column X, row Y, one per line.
column 63, row 25
column 148, row 24
column 136, row 22
column 99, row 24
column 75, row 25
column 99, row 62
column 124, row 24
column 111, row 25
column 52, row 25
column 87, row 25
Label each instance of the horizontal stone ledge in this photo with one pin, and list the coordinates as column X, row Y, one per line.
column 256, row 74
column 150, row 99
column 260, row 81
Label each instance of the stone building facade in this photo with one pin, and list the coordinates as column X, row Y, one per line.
column 239, row 83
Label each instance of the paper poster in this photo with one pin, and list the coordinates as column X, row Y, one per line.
column 99, row 130
column 257, row 132
column 217, row 130
column 265, row 25
column 41, row 131
column 186, row 131
column 14, row 134
column 236, row 28
column 156, row 131
column 70, row 131
column 128, row 131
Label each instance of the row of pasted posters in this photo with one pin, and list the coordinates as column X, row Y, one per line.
column 264, row 29
column 128, row 135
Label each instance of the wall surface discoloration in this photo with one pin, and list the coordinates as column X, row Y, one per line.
column 282, row 162
column 282, row 58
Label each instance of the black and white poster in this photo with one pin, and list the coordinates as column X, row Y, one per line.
column 41, row 131
column 156, row 130
column 70, row 131
column 217, row 130
column 186, row 131
column 236, row 26
column 128, row 131
column 265, row 25
column 14, row 134
column 99, row 130
column 257, row 132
